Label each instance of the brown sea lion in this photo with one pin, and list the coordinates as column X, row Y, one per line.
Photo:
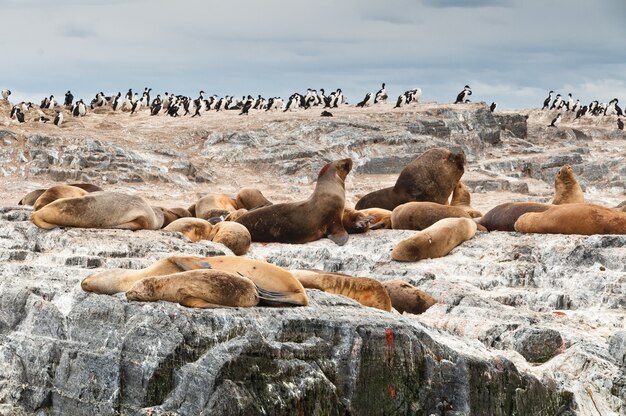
column 275, row 284
column 435, row 241
column 355, row 221
column 172, row 214
column 232, row 216
column 366, row 291
column 309, row 220
column 430, row 177
column 407, row 298
column 380, row 218
column 503, row 216
column 233, row 235
column 462, row 198
column 251, row 198
column 58, row 192
column 197, row 289
column 585, row 219
column 100, row 210
column 195, row 229
column 214, row 205
column 31, row 197
column 420, row 215
column 567, row 190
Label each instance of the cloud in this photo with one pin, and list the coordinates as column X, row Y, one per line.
column 467, row 3
column 77, row 31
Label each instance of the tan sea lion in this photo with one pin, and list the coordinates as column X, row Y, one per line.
column 420, row 215
column 251, row 198
column 233, row 235
column 462, row 198
column 435, row 241
column 406, row 297
column 585, row 219
column 503, row 216
column 197, row 289
column 300, row 222
column 366, row 291
column 430, row 177
column 100, row 210
column 172, row 214
column 567, row 190
column 58, row 192
column 275, row 284
column 380, row 218
column 31, row 197
column 195, row 229
column 355, row 221
column 214, row 205
column 232, row 216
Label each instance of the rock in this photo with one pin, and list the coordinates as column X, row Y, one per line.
column 617, row 347
column 537, row 345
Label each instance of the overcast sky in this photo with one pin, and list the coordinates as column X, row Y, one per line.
column 508, row 51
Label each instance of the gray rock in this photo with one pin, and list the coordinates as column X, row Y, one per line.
column 617, row 347
column 537, row 345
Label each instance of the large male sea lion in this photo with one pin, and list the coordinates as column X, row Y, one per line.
column 585, row 219
column 31, row 197
column 567, row 190
column 420, row 215
column 58, row 192
column 435, row 241
column 503, row 216
column 275, row 284
column 300, row 222
column 197, row 289
column 430, row 177
column 100, row 210
column 407, row 298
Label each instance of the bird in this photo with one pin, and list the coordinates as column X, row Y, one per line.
column 546, row 102
column 576, row 106
column 247, row 106
column 581, row 112
column 556, row 121
column 620, row 124
column 80, row 109
column 58, row 119
column 326, row 114
column 570, row 102
column 557, row 102
column 381, row 95
column 19, row 115
column 367, row 101
column 43, row 119
column 462, row 97
column 400, row 101
column 69, row 99
column 493, row 106
column 5, row 94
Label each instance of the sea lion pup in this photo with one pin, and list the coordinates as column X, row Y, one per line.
column 430, row 177
column 355, row 221
column 58, row 192
column 31, row 197
column 503, row 216
column 195, row 229
column 251, row 198
column 407, row 298
column 366, row 291
column 233, row 235
column 300, row 222
column 420, row 215
column 380, row 218
column 585, row 219
column 567, row 190
column 100, row 210
column 435, row 241
column 214, row 205
column 275, row 285
column 197, row 289
column 172, row 214
column 462, row 198
column 232, row 216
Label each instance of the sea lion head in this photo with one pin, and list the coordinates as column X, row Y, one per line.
column 565, row 174
column 341, row 168
column 458, row 159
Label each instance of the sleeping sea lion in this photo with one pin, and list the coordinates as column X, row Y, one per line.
column 214, row 205
column 58, row 192
column 420, row 215
column 195, row 229
column 503, row 216
column 407, row 298
column 31, row 197
column 233, row 235
column 251, row 198
column 585, row 219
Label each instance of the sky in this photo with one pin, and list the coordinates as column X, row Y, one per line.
column 509, row 51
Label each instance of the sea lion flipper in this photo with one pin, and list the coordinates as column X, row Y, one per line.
column 340, row 238
column 194, row 302
column 186, row 264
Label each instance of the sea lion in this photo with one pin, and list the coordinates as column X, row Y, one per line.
column 197, row 289
column 462, row 198
column 100, row 210
column 275, row 284
column 58, row 192
column 355, row 221
column 503, row 216
column 195, row 229
column 420, row 215
column 567, row 190
column 380, row 218
column 214, row 205
column 300, row 222
column 435, row 241
column 172, row 214
column 430, row 177
column 406, row 297
column 621, row 206
column 251, row 198
column 31, row 197
column 232, row 216
column 366, row 291
column 233, row 235
column 585, row 219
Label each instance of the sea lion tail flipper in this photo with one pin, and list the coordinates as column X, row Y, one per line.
column 281, row 297
column 194, row 302
column 339, row 238
column 186, row 264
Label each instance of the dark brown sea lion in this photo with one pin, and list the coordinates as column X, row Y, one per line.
column 407, row 298
column 567, row 190
column 300, row 222
column 420, row 215
column 430, row 177
column 31, row 197
column 585, row 219
column 503, row 216
column 251, row 198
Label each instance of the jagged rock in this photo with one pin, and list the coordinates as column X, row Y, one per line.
column 537, row 345
column 617, row 347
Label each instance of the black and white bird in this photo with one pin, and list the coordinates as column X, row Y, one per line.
column 247, row 106
column 493, row 106
column 58, row 119
column 13, row 111
column 43, row 119
column 462, row 97
column 129, row 94
column 19, row 115
column 555, row 121
column 5, row 94
column 620, row 123
column 381, row 95
column 570, row 102
column 546, row 102
column 80, row 109
column 576, row 107
column 45, row 103
column 401, row 100
column 367, row 101
column 557, row 103
column 69, row 99
column 581, row 112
